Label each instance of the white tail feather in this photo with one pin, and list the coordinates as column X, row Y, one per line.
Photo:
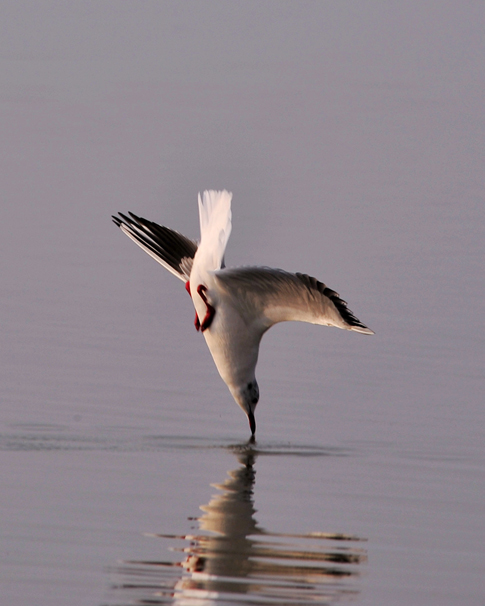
column 215, row 228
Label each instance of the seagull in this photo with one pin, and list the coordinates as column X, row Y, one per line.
column 234, row 307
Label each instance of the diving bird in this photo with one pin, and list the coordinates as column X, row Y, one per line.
column 234, row 307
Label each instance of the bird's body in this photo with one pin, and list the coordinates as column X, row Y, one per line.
column 236, row 306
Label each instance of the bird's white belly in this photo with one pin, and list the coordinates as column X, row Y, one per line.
column 233, row 345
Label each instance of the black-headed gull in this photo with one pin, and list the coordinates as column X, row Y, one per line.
column 234, row 307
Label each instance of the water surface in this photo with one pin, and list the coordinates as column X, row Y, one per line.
column 352, row 139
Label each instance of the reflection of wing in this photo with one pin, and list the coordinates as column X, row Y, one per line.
column 172, row 250
column 236, row 561
column 274, row 295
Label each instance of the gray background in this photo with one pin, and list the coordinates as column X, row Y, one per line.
column 352, row 137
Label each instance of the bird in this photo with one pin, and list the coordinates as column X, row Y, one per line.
column 235, row 306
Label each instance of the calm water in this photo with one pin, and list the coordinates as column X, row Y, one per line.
column 352, row 138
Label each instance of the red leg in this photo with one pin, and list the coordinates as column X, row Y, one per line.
column 196, row 321
column 211, row 312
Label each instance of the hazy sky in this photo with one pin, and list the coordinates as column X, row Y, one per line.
column 350, row 133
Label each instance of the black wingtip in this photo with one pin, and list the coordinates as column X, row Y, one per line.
column 122, row 219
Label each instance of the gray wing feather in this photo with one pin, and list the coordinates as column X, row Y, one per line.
column 171, row 249
column 274, row 295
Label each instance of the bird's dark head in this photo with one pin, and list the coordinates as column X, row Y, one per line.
column 247, row 396
column 251, row 393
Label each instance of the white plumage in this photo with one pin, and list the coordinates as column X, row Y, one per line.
column 236, row 306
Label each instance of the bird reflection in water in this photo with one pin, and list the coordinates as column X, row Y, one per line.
column 233, row 560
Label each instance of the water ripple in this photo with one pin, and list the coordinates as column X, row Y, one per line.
column 230, row 559
column 33, row 437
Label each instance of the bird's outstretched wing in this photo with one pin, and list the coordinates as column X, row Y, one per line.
column 172, row 250
column 273, row 295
